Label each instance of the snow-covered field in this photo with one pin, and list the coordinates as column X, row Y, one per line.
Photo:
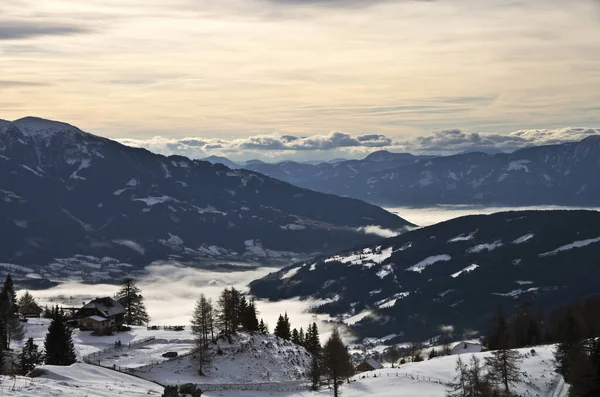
column 422, row 379
column 78, row 380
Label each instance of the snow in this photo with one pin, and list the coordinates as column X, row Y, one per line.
column 85, row 163
column 428, row 262
column 521, row 282
column 293, row 226
column 367, row 257
column 463, row 237
column 132, row 245
column 486, row 246
column 32, row 170
column 16, row 268
column 290, row 273
column 356, row 318
column 523, row 239
column 132, row 182
column 518, row 165
column 467, row 269
column 515, row 293
column 391, row 301
column 150, row 201
column 78, row 380
column 119, row 191
column 324, row 301
column 575, row 244
column 385, row 271
column 248, row 359
column 429, row 378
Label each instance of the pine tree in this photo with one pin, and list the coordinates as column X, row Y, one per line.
column 567, row 347
column 393, row 354
column 301, row 337
column 227, row 311
column 315, row 373
column 29, row 357
column 336, row 360
column 130, row 297
column 295, row 337
column 503, row 367
column 201, row 328
column 282, row 329
column 312, row 342
column 2, row 354
column 498, row 333
column 262, row 327
column 249, row 316
column 10, row 326
column 58, row 344
column 26, row 300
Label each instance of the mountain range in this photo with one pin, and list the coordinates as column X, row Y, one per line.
column 563, row 174
column 76, row 204
column 454, row 273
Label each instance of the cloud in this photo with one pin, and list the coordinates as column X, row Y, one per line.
column 17, row 30
column 171, row 290
column 16, row 83
column 378, row 231
column 455, row 140
column 276, row 147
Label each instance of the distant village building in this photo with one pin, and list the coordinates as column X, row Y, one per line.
column 369, row 364
column 102, row 315
column 468, row 347
column 31, row 310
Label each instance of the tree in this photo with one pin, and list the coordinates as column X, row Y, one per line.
column 312, row 341
column 262, row 327
column 29, row 357
column 414, row 351
column 470, row 380
column 497, row 336
column 227, row 311
column 59, row 344
column 26, row 300
column 130, row 297
column 503, row 367
column 315, row 373
column 282, row 328
column 393, row 354
column 202, row 330
column 10, row 326
column 336, row 360
column 295, row 337
column 1, row 360
column 433, row 354
column 249, row 315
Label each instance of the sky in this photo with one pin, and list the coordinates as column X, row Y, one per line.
column 306, row 79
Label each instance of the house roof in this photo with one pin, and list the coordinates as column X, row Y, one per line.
column 373, row 363
column 107, row 306
column 30, row 308
column 96, row 318
column 467, row 347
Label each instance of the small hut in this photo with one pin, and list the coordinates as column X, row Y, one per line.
column 370, row 364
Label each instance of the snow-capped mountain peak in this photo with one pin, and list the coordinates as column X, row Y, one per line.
column 42, row 128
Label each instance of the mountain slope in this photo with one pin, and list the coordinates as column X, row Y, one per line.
column 64, row 192
column 562, row 174
column 455, row 272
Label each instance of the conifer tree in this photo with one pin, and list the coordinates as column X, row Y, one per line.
column 312, row 341
column 262, row 327
column 336, row 360
column 26, row 300
column 498, row 333
column 130, row 297
column 282, row 329
column 29, row 357
column 503, row 367
column 202, row 330
column 10, row 326
column 295, row 337
column 249, row 316
column 393, row 354
column 59, row 344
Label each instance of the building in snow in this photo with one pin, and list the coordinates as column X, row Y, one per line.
column 102, row 315
column 468, row 347
column 31, row 310
column 369, row 364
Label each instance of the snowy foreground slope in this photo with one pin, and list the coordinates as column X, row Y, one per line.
column 423, row 379
column 78, row 380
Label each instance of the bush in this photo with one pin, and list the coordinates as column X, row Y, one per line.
column 403, row 361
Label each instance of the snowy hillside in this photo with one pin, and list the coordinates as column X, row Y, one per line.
column 77, row 380
column 80, row 206
column 429, row 379
column 449, row 273
column 248, row 359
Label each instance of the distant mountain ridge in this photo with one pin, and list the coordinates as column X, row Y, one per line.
column 76, row 204
column 563, row 174
column 452, row 273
